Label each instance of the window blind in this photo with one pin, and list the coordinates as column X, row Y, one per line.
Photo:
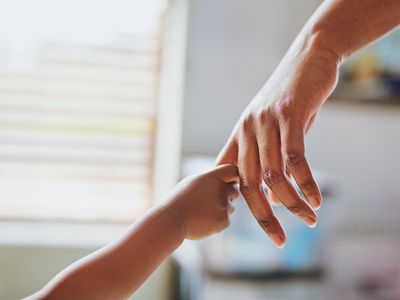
column 77, row 130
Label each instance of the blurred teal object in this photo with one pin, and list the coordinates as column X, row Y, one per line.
column 302, row 247
column 244, row 248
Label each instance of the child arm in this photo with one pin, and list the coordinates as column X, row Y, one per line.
column 197, row 207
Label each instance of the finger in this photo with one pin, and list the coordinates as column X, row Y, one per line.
column 251, row 188
column 228, row 173
column 273, row 199
column 287, row 172
column 274, row 175
column 310, row 122
column 230, row 207
column 292, row 138
column 223, row 220
column 228, row 154
column 232, row 193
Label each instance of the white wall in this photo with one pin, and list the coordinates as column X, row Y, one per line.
column 233, row 47
column 360, row 144
column 25, row 269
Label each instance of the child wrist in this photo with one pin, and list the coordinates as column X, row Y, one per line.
column 175, row 215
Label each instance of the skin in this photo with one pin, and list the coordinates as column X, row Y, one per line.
column 199, row 206
column 267, row 142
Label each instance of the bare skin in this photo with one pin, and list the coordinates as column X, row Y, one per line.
column 198, row 207
column 267, row 143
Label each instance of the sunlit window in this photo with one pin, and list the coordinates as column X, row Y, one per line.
column 78, row 99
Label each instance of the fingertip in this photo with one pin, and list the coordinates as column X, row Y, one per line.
column 315, row 202
column 231, row 209
column 228, row 173
column 279, row 240
column 281, row 246
column 313, row 225
column 311, row 219
column 277, row 234
column 235, row 194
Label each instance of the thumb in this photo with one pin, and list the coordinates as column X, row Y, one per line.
column 228, row 173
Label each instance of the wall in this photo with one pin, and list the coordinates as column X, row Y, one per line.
column 233, row 47
column 23, row 270
column 359, row 144
column 26, row 265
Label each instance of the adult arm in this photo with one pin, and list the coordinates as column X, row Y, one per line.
column 267, row 143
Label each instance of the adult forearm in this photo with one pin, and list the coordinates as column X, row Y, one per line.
column 344, row 26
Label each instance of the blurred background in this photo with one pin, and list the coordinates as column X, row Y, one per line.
column 104, row 105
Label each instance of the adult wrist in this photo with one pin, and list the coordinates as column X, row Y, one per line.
column 320, row 44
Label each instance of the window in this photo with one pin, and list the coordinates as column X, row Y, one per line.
column 78, row 101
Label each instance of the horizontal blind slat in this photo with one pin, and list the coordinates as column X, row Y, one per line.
column 72, row 140
column 53, row 172
column 77, row 127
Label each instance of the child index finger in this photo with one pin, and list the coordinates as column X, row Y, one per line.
column 228, row 173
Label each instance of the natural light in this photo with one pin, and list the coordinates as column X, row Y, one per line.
column 78, row 101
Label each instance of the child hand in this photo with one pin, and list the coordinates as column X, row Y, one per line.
column 203, row 202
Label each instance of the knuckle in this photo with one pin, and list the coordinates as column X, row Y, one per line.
column 263, row 115
column 244, row 186
column 247, row 186
column 284, row 110
column 272, row 178
column 247, row 122
column 308, row 186
column 294, row 158
column 267, row 224
column 296, row 209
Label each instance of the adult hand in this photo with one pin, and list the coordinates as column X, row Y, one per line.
column 267, row 143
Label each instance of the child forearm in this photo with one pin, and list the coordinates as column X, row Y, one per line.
column 197, row 207
column 116, row 271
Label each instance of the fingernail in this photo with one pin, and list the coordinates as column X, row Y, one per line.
column 280, row 246
column 279, row 240
column 311, row 221
column 315, row 203
column 313, row 225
